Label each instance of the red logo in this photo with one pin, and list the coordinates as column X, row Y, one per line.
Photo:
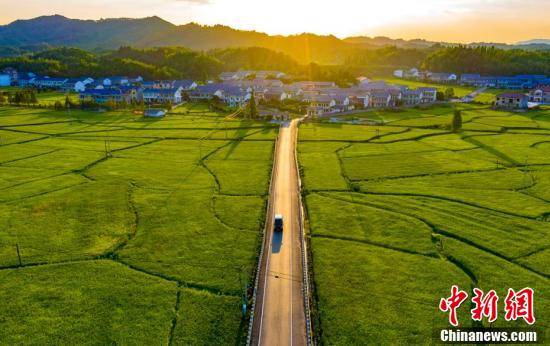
column 452, row 303
column 516, row 305
column 520, row 305
column 484, row 305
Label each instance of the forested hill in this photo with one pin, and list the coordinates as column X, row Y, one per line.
column 151, row 32
column 110, row 34
column 154, row 63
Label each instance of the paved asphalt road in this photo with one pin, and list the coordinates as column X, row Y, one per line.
column 279, row 315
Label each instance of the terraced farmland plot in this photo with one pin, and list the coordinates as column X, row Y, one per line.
column 395, row 221
column 162, row 217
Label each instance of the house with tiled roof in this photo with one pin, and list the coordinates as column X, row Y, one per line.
column 132, row 93
column 12, row 73
column 469, row 78
column 342, row 103
column 227, row 76
column 380, row 99
column 540, row 94
column 442, row 77
column 511, row 101
column 48, row 83
column 429, row 95
column 157, row 96
column 275, row 94
column 102, row 95
column 321, row 104
column 234, row 96
column 411, row 97
column 206, row 92
column 185, row 84
column 314, row 85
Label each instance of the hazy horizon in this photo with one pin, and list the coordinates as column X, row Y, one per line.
column 461, row 21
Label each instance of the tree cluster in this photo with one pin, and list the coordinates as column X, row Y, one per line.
column 19, row 97
column 488, row 61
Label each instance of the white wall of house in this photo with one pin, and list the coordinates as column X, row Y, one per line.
column 79, row 86
column 398, row 73
column 5, row 80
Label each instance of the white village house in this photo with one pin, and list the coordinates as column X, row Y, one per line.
column 151, row 96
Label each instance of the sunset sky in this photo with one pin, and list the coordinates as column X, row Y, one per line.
column 442, row 20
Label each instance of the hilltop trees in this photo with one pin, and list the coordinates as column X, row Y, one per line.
column 387, row 56
column 254, row 58
column 488, row 61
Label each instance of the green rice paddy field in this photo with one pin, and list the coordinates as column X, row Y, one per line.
column 399, row 213
column 117, row 229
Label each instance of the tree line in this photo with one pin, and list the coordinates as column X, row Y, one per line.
column 19, row 97
column 181, row 63
column 488, row 61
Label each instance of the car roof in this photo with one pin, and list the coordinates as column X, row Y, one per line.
column 278, row 216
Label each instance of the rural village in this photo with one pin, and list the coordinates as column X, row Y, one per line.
column 320, row 98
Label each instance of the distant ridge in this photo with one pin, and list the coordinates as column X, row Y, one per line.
column 535, row 41
column 107, row 34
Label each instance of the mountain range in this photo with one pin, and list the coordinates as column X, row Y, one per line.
column 106, row 34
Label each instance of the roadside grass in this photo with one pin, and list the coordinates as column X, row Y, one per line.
column 541, row 176
column 8, row 137
column 373, row 295
column 81, row 221
column 402, row 133
column 526, row 149
column 316, row 154
column 179, row 201
column 230, row 163
column 495, row 189
column 421, row 111
column 367, row 224
column 495, row 231
column 395, row 221
column 84, row 302
column 492, row 272
column 207, row 319
column 450, row 141
column 414, row 164
column 341, row 132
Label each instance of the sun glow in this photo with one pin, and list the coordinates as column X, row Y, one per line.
column 444, row 20
column 341, row 18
